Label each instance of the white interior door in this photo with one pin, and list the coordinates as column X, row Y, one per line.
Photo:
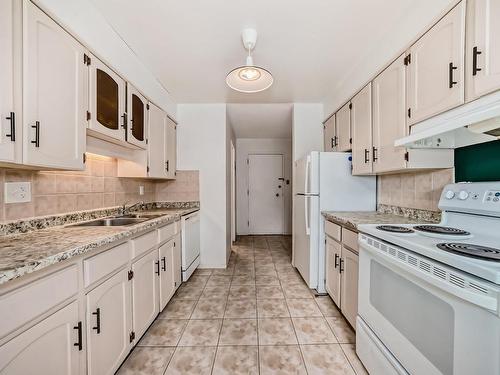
column 265, row 194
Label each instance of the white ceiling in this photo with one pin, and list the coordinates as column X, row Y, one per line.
column 261, row 120
column 311, row 47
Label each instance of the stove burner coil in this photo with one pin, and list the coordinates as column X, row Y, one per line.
column 471, row 250
column 395, row 229
column 441, row 230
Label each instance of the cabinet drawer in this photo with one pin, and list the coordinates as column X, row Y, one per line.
column 143, row 243
column 333, row 230
column 106, row 262
column 26, row 303
column 166, row 232
column 350, row 239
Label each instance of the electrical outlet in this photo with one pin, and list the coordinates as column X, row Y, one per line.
column 17, row 192
column 141, row 190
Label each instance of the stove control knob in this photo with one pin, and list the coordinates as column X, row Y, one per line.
column 463, row 195
column 449, row 194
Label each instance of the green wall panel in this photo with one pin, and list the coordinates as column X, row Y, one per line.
column 479, row 162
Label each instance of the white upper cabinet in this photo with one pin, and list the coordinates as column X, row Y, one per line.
column 109, row 324
column 108, row 119
column 436, row 67
column 10, row 82
column 329, row 134
column 483, row 48
column 53, row 346
column 389, row 117
column 343, row 127
column 157, row 143
column 361, row 117
column 171, row 149
column 137, row 113
column 55, row 93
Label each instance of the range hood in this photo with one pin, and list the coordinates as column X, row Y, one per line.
column 471, row 123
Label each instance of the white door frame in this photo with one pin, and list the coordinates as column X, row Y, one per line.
column 233, row 192
column 248, row 187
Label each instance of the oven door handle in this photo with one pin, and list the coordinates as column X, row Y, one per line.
column 488, row 302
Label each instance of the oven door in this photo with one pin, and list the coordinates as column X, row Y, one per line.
column 434, row 319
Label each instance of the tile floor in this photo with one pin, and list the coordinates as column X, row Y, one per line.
column 255, row 317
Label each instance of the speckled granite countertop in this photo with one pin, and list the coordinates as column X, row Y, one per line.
column 353, row 219
column 24, row 253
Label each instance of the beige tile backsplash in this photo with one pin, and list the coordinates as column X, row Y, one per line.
column 95, row 187
column 414, row 190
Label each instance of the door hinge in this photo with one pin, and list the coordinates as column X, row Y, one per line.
column 132, row 336
column 147, row 106
column 88, row 116
column 248, row 192
column 407, row 156
column 147, row 168
column 86, row 59
column 248, row 222
column 350, row 105
column 350, row 141
column 409, row 112
column 130, row 275
column 147, row 141
column 248, row 162
column 174, row 243
column 407, row 59
column 84, row 158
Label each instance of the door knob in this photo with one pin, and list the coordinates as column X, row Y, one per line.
column 279, row 186
column 277, row 194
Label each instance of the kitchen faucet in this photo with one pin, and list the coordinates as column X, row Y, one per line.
column 123, row 209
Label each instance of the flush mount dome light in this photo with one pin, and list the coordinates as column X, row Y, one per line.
column 249, row 78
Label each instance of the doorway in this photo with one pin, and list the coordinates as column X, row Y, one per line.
column 265, row 194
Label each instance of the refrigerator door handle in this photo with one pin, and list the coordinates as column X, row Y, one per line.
column 306, row 213
column 306, row 179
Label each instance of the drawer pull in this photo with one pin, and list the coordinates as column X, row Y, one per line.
column 97, row 314
column 475, row 54
column 336, row 260
column 164, row 264
column 79, row 343
column 157, row 263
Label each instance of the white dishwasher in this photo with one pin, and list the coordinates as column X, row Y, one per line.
column 190, row 225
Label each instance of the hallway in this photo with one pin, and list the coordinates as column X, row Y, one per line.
column 255, row 317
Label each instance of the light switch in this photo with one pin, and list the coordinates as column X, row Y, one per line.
column 17, row 192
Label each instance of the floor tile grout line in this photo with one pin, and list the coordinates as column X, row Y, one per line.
column 348, row 360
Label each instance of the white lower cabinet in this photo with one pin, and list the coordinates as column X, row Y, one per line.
column 177, row 261
column 342, row 271
column 167, row 282
column 109, row 324
column 52, row 346
column 145, row 294
column 349, row 281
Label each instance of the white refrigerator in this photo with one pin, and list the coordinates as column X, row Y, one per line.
column 324, row 182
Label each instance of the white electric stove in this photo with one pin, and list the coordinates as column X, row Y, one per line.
column 429, row 295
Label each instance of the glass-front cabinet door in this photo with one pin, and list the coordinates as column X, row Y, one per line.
column 107, row 102
column 137, row 107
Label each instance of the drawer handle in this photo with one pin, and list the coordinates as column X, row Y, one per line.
column 367, row 156
column 97, row 314
column 36, row 142
column 374, row 154
column 164, row 264
column 12, row 134
column 336, row 260
column 475, row 54
column 451, row 68
column 124, row 116
column 157, row 263
column 79, row 343
column 341, row 265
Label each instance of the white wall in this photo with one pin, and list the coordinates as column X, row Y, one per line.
column 247, row 146
column 230, row 138
column 202, row 144
column 307, row 129
column 86, row 24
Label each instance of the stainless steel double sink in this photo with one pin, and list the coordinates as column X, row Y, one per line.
column 118, row 221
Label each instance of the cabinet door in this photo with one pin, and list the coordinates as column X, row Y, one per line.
column 167, row 288
column 109, row 323
column 137, row 113
column 177, row 265
column 349, row 274
column 10, row 82
column 107, row 102
column 483, row 48
column 361, row 117
column 333, row 253
column 55, row 93
column 389, row 117
column 437, row 67
column 145, row 303
column 46, row 348
column 171, row 149
column 157, row 142
column 344, row 139
column 329, row 134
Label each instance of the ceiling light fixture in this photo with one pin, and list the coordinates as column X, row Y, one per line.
column 249, row 78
